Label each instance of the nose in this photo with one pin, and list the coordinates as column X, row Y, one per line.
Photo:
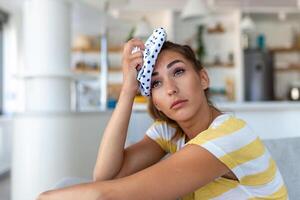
column 171, row 87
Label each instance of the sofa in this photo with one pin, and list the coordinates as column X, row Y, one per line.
column 286, row 153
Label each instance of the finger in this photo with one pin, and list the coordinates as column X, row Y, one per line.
column 136, row 63
column 138, row 54
column 133, row 43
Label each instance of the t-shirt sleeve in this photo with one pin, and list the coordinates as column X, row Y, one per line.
column 162, row 134
column 231, row 142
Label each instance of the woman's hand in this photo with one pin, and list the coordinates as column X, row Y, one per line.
column 131, row 63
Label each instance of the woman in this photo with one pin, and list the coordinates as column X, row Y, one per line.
column 214, row 155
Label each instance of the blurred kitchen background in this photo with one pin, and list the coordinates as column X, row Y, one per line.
column 60, row 75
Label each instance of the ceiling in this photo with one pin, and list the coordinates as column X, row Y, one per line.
column 257, row 3
column 140, row 5
column 179, row 4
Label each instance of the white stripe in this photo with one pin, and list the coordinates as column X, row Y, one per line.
column 235, row 193
column 245, row 192
column 267, row 189
column 161, row 130
column 255, row 166
column 235, row 140
column 229, row 143
column 220, row 120
column 218, row 152
column 167, row 131
column 180, row 143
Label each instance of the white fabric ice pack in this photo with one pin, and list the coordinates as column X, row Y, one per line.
column 152, row 48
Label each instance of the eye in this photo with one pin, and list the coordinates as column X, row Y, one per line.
column 155, row 84
column 179, row 71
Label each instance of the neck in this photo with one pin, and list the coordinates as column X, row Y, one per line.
column 200, row 122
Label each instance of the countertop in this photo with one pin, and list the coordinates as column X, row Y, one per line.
column 245, row 106
column 267, row 106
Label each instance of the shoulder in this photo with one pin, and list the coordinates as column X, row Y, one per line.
column 225, row 127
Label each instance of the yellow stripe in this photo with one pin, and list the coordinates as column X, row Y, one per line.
column 166, row 145
column 249, row 152
column 190, row 196
column 215, row 188
column 262, row 177
column 280, row 194
column 228, row 127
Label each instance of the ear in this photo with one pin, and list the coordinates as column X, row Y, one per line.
column 204, row 79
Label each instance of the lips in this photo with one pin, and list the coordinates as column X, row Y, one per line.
column 177, row 102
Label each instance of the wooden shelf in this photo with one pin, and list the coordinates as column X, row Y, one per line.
column 115, row 69
column 115, row 49
column 284, row 49
column 97, row 50
column 291, row 68
column 97, row 71
column 219, row 65
column 84, row 71
column 219, row 28
column 215, row 31
column 86, row 50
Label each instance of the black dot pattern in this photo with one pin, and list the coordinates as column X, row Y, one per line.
column 153, row 46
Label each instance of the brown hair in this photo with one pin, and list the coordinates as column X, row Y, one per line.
column 188, row 54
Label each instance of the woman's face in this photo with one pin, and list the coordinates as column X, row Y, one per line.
column 177, row 89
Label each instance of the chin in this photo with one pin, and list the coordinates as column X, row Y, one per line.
column 182, row 115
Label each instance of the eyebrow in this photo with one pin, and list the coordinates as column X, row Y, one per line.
column 168, row 66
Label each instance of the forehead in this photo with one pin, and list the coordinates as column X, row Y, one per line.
column 167, row 56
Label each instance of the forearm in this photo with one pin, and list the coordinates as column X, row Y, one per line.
column 111, row 150
column 86, row 191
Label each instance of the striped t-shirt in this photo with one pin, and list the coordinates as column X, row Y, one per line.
column 232, row 141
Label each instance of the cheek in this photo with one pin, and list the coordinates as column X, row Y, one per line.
column 156, row 101
column 159, row 101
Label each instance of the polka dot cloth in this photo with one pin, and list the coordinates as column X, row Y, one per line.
column 152, row 48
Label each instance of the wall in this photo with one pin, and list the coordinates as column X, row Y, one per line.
column 5, row 144
column 65, row 142
column 268, row 120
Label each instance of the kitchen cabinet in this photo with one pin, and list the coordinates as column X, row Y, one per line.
column 282, row 40
column 286, row 69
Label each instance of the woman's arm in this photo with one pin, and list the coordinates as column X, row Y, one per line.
column 182, row 173
column 86, row 191
column 178, row 175
column 111, row 151
column 140, row 156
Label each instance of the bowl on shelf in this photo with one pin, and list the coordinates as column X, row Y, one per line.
column 294, row 91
